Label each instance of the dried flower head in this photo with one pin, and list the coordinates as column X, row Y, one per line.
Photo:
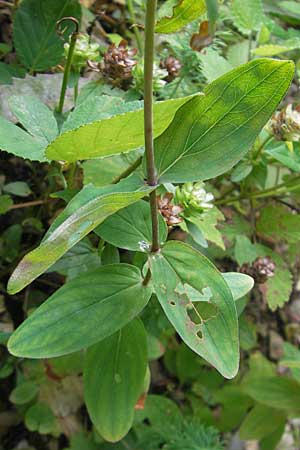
column 261, row 269
column 172, row 66
column 118, row 63
column 168, row 210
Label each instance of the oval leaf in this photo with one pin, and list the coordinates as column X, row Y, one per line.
column 82, row 312
column 183, row 13
column 84, row 213
column 131, row 229
column 182, row 277
column 113, row 380
column 211, row 133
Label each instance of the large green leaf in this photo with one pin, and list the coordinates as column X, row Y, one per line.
column 113, row 380
column 211, row 133
column 276, row 222
column 277, row 392
column 82, row 312
column 35, row 38
column 82, row 215
column 131, row 228
column 210, row 328
column 112, row 135
column 36, row 117
column 239, row 283
column 183, row 13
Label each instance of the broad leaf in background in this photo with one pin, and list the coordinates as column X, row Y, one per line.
column 82, row 312
column 35, row 38
column 114, row 375
column 209, row 327
column 184, row 12
column 211, row 133
column 277, row 222
column 131, row 228
column 82, row 215
column 113, row 135
column 260, row 422
column 247, row 15
column 277, row 392
column 36, row 117
column 213, row 65
column 284, row 155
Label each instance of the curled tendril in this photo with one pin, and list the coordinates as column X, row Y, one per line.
column 61, row 30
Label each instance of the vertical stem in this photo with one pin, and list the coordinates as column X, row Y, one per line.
column 67, row 72
column 135, row 29
column 148, row 117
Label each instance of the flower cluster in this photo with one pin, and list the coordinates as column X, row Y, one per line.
column 84, row 51
column 118, row 64
column 193, row 198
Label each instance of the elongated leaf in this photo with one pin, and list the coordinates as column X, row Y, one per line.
column 116, row 134
column 239, row 283
column 260, row 422
column 16, row 141
column 82, row 312
column 277, row 392
column 83, row 214
column 183, row 13
column 211, row 133
column 131, row 228
column 35, row 38
column 113, row 380
column 209, row 328
column 36, row 117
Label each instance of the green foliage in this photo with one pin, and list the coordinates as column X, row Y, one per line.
column 184, row 11
column 247, row 15
column 35, row 38
column 208, row 327
column 84, row 213
column 99, row 303
column 115, row 361
column 192, row 148
column 119, row 132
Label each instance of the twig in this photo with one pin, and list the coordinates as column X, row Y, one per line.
column 27, row 204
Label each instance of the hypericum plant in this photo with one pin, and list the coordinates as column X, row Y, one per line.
column 191, row 139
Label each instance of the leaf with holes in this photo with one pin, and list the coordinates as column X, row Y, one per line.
column 183, row 13
column 210, row 328
column 82, row 312
column 82, row 215
column 114, row 375
column 211, row 133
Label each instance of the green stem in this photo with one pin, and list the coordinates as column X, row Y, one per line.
column 261, row 147
column 71, row 175
column 282, row 188
column 148, row 118
column 67, row 72
column 128, row 171
column 135, row 29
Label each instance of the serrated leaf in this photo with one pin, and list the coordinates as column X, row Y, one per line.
column 131, row 228
column 109, row 366
column 278, row 223
column 35, row 38
column 82, row 215
column 244, row 250
column 184, row 12
column 36, row 117
column 260, row 422
column 207, row 327
column 82, row 312
column 211, row 133
column 113, row 135
column 247, row 15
